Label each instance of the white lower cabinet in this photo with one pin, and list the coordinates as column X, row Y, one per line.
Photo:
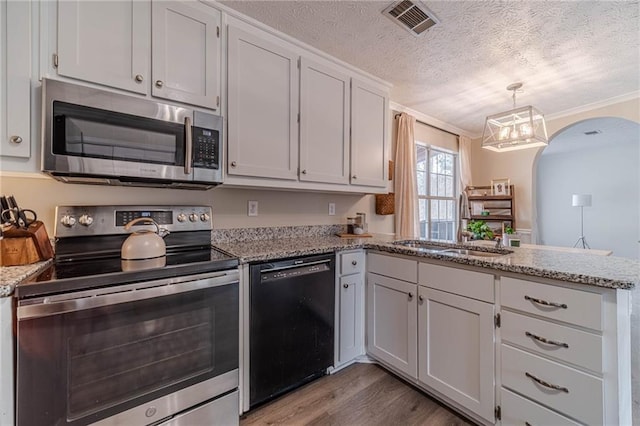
column 392, row 320
column 566, row 349
column 456, row 351
column 349, row 341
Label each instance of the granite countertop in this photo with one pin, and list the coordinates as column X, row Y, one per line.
column 580, row 268
column 12, row 275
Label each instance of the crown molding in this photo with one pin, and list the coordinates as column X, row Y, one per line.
column 594, row 105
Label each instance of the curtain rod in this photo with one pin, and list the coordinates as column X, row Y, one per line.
column 431, row 125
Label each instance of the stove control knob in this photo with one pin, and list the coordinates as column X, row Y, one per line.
column 85, row 220
column 182, row 217
column 193, row 217
column 68, row 220
column 204, row 217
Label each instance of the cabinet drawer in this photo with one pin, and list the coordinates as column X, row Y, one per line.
column 563, row 304
column 394, row 267
column 582, row 394
column 351, row 263
column 517, row 410
column 564, row 343
column 471, row 284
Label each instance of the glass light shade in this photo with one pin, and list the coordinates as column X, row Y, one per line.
column 518, row 128
column 581, row 200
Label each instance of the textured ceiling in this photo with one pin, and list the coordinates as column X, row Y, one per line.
column 567, row 53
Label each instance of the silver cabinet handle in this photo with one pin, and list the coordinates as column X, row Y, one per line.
column 545, row 384
column 545, row 303
column 15, row 139
column 139, row 78
column 345, row 285
column 159, row 84
column 547, row 341
column 304, row 172
column 421, row 298
column 410, row 295
column 233, row 164
column 354, row 177
column 354, row 262
column 188, row 145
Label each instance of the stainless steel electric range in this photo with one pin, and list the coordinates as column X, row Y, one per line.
column 103, row 341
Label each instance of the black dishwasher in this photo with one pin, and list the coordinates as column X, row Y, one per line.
column 291, row 332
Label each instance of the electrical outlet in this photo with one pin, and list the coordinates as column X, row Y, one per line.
column 252, row 208
column 332, row 209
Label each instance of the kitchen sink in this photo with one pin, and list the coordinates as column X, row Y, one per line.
column 426, row 246
column 476, row 253
column 422, row 245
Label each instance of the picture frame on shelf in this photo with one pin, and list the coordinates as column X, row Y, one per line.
column 500, row 186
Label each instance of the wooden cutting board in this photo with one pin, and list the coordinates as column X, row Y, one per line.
column 354, row 235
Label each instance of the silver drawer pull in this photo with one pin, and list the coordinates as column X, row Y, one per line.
column 547, row 341
column 527, row 424
column 545, row 303
column 545, row 384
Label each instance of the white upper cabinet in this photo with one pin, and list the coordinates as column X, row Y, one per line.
column 262, row 107
column 324, row 123
column 169, row 49
column 369, row 129
column 105, row 42
column 186, row 53
column 15, row 80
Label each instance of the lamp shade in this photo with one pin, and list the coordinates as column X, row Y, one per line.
column 581, row 200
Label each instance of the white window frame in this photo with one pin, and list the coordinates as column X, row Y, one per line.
column 428, row 198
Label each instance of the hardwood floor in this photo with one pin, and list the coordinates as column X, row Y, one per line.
column 361, row 394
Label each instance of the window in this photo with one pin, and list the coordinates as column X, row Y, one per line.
column 437, row 183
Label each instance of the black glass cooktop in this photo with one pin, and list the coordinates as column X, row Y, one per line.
column 82, row 274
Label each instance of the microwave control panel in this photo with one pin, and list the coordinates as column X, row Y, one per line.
column 206, row 145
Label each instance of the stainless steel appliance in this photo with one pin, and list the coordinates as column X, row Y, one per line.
column 291, row 334
column 100, row 137
column 100, row 344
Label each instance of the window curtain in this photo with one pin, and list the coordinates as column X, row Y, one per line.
column 464, row 158
column 405, row 184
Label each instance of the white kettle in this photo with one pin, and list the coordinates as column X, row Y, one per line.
column 144, row 244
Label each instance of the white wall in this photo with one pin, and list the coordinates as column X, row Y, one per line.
column 275, row 208
column 609, row 170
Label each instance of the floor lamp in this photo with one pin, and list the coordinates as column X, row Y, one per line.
column 582, row 201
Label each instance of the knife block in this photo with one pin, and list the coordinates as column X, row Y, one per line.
column 25, row 246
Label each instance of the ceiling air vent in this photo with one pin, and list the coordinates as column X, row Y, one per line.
column 592, row 132
column 411, row 15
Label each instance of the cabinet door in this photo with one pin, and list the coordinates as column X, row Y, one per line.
column 392, row 322
column 455, row 343
column 369, row 127
column 105, row 42
column 186, row 53
column 324, row 124
column 15, row 83
column 351, row 333
column 262, row 107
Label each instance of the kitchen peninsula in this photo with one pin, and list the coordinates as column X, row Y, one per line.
column 597, row 318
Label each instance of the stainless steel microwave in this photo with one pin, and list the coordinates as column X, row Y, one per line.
column 99, row 137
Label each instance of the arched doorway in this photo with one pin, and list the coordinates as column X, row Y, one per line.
column 600, row 157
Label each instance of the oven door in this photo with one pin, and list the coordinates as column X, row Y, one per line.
column 154, row 348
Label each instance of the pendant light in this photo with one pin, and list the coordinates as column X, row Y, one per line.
column 518, row 128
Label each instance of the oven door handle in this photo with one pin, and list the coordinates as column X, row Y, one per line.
column 79, row 301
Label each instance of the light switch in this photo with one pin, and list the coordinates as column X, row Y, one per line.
column 252, row 208
column 332, row 209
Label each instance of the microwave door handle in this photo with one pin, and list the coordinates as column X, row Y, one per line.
column 188, row 145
